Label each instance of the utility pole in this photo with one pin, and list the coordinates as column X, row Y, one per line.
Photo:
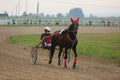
column 26, row 20
column 26, row 6
column 18, row 8
column 37, row 13
column 16, row 11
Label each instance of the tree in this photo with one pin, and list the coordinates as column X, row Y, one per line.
column 53, row 16
column 24, row 14
column 47, row 16
column 91, row 16
column 41, row 14
column 59, row 15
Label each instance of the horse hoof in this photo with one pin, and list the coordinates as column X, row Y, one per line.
column 50, row 62
column 74, row 66
column 65, row 66
column 59, row 64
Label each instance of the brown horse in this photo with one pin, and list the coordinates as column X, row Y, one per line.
column 68, row 40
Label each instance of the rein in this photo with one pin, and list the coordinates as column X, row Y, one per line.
column 73, row 41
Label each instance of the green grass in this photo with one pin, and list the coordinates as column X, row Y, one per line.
column 102, row 44
column 105, row 45
column 30, row 40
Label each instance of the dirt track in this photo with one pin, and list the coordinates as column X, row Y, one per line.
column 15, row 60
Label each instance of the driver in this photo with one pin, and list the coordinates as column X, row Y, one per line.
column 45, row 37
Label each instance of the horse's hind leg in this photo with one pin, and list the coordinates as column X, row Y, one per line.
column 59, row 55
column 52, row 50
column 75, row 58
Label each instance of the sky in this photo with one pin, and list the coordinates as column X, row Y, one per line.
column 101, row 8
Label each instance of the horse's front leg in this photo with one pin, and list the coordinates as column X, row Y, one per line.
column 59, row 55
column 75, row 58
column 65, row 58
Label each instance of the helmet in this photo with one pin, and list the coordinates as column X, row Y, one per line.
column 47, row 29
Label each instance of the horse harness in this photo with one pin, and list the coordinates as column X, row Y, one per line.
column 73, row 41
column 66, row 34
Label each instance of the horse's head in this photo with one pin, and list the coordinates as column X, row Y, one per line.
column 74, row 26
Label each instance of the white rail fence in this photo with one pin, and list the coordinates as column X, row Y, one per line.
column 58, row 22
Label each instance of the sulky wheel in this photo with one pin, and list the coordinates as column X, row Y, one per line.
column 33, row 55
column 68, row 57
